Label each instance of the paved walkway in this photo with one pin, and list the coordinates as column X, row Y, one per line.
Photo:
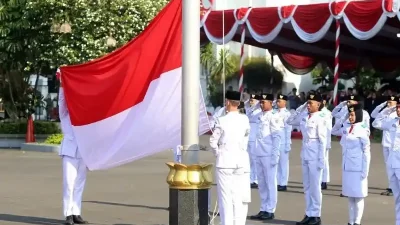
column 137, row 194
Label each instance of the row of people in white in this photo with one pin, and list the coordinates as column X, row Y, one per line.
column 315, row 123
column 384, row 109
column 388, row 120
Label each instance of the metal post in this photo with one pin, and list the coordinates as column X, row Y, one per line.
column 189, row 205
column 190, row 81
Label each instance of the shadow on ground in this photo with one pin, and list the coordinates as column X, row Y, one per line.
column 29, row 219
column 127, row 205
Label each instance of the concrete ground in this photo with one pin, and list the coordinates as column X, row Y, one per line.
column 137, row 194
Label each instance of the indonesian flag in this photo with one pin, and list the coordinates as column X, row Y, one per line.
column 127, row 105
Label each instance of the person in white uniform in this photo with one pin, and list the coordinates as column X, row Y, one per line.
column 341, row 109
column 74, row 168
column 386, row 140
column 313, row 127
column 328, row 115
column 229, row 143
column 391, row 124
column 267, row 153
column 286, row 141
column 253, row 111
column 356, row 158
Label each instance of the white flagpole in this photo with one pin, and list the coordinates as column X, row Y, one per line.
column 190, row 81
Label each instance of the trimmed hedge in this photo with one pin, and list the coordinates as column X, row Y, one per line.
column 54, row 139
column 19, row 127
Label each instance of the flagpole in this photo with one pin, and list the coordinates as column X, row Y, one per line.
column 188, row 201
column 190, row 81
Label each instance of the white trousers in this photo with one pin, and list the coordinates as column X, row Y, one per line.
column 326, row 177
column 283, row 169
column 385, row 157
column 395, row 185
column 356, row 209
column 267, row 182
column 232, row 208
column 312, row 177
column 74, row 179
column 253, row 167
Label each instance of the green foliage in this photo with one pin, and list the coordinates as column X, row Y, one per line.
column 367, row 79
column 323, row 75
column 37, row 36
column 217, row 70
column 40, row 127
column 54, row 139
column 258, row 74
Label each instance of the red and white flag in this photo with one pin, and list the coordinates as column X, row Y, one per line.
column 127, row 105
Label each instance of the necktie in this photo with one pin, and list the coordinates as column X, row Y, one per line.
column 351, row 129
column 309, row 116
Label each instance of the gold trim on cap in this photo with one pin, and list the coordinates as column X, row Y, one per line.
column 351, row 109
column 264, row 96
column 189, row 177
column 312, row 96
column 352, row 97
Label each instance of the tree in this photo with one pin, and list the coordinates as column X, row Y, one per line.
column 217, row 67
column 37, row 36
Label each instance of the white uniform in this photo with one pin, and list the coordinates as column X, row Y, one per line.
column 328, row 115
column 229, row 143
column 313, row 155
column 285, row 147
column 392, row 125
column 356, row 159
column 386, row 139
column 253, row 113
column 267, row 152
column 341, row 110
column 74, row 169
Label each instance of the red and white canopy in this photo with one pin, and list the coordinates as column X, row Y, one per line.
column 303, row 35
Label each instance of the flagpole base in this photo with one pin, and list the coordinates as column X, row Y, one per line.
column 188, row 193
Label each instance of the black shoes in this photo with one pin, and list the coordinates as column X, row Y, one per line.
column 324, row 185
column 69, row 220
column 388, row 192
column 254, row 185
column 79, row 220
column 282, row 188
column 262, row 215
column 258, row 216
column 310, row 221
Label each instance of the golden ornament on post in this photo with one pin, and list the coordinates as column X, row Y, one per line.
column 189, row 177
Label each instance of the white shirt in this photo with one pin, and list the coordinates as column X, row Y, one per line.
column 229, row 141
column 253, row 113
column 314, row 130
column 287, row 130
column 69, row 146
column 269, row 134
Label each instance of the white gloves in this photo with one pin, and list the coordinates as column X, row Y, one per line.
column 301, row 108
column 274, row 160
column 321, row 164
